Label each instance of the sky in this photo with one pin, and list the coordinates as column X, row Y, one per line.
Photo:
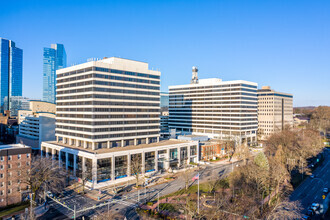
column 280, row 43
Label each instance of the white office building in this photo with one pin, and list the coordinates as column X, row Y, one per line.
column 216, row 108
column 106, row 112
column 36, row 124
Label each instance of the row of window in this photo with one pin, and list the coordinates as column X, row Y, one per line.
column 107, row 110
column 108, row 135
column 108, row 122
column 96, row 130
column 97, row 96
column 101, row 69
column 102, row 76
column 213, row 86
column 19, row 156
column 73, row 115
column 98, row 89
column 96, row 82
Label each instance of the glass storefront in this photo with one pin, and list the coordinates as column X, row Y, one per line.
column 120, row 167
column 149, row 162
column 103, row 169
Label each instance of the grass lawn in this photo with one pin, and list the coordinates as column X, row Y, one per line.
column 13, row 210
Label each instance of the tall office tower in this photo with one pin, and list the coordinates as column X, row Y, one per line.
column 11, row 62
column 107, row 115
column 111, row 102
column 54, row 59
column 216, row 108
column 275, row 111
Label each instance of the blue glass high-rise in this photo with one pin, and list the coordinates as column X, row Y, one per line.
column 11, row 69
column 54, row 59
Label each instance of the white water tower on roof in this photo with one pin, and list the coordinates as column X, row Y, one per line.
column 194, row 79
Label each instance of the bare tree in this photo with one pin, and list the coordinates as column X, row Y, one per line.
column 136, row 167
column 286, row 210
column 44, row 174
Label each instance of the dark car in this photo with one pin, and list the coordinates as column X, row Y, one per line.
column 306, row 217
column 310, row 212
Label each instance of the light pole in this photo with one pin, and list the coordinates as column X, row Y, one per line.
column 31, row 211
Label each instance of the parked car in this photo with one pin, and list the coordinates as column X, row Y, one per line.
column 306, row 217
column 325, row 190
column 312, row 176
column 310, row 212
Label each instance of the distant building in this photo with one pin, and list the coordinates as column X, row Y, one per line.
column 164, row 115
column 8, row 128
column 14, row 159
column 219, row 109
column 54, row 58
column 275, row 111
column 11, row 68
column 17, row 103
column 36, row 125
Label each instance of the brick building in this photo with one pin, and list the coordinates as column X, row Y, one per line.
column 14, row 159
column 212, row 149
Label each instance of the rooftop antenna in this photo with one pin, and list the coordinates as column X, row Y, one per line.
column 194, row 79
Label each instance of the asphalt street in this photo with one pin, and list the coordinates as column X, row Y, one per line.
column 310, row 190
column 126, row 204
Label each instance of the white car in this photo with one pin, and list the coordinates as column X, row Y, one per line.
column 315, row 206
column 325, row 190
column 49, row 193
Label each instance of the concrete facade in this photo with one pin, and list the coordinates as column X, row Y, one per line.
column 109, row 166
column 275, row 111
column 216, row 108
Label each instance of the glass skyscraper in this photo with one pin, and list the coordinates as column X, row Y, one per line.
column 54, row 59
column 11, row 68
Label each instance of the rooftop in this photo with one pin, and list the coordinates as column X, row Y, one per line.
column 117, row 149
column 12, row 146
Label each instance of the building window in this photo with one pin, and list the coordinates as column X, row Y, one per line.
column 2, row 158
column 9, row 183
column 9, row 191
column 18, row 164
column 1, row 193
column 18, row 173
column 1, row 184
column 19, row 156
column 1, row 175
column 27, row 155
column 1, row 167
column 9, row 157
column 9, row 166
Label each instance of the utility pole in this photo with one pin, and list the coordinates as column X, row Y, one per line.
column 31, row 208
column 158, row 201
column 138, row 195
column 74, row 212
column 198, row 196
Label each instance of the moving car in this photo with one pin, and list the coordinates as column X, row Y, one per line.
column 315, row 206
column 325, row 190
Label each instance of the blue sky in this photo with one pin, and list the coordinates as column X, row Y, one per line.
column 284, row 44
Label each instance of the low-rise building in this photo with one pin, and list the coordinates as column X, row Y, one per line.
column 37, row 124
column 107, row 166
column 14, row 160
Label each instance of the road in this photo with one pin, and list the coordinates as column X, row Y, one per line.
column 126, row 205
column 311, row 189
